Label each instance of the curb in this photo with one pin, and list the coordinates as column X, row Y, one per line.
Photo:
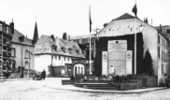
column 111, row 91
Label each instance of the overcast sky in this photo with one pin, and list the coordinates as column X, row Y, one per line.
column 71, row 16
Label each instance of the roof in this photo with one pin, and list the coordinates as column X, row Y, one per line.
column 49, row 44
column 124, row 16
column 16, row 38
column 164, row 31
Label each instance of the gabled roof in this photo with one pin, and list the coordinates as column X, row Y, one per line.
column 124, row 16
column 16, row 38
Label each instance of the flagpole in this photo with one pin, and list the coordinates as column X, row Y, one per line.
column 135, row 41
column 90, row 66
column 135, row 49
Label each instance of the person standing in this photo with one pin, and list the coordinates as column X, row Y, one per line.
column 43, row 75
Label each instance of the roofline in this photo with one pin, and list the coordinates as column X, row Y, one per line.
column 22, row 34
column 56, row 54
column 163, row 35
column 82, row 37
column 135, row 18
column 22, row 44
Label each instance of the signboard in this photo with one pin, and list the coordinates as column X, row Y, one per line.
column 117, row 57
column 104, row 63
column 117, row 62
column 117, row 45
column 129, row 62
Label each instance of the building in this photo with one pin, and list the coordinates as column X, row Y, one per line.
column 22, row 52
column 129, row 46
column 165, row 31
column 83, row 42
column 6, row 32
column 52, row 54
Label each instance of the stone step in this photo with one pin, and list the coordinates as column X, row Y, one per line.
column 93, row 84
column 102, row 88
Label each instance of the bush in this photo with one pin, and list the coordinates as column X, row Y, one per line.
column 134, row 81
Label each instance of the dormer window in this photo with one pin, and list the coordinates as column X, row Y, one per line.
column 54, row 47
column 63, row 49
column 69, row 50
column 21, row 38
column 77, row 51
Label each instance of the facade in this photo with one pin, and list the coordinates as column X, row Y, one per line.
column 6, row 32
column 83, row 42
column 164, row 48
column 123, row 38
column 22, row 51
column 52, row 54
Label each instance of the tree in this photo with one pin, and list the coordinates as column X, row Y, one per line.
column 148, row 66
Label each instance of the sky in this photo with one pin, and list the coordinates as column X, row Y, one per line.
column 72, row 16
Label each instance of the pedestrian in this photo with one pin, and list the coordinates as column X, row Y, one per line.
column 43, row 75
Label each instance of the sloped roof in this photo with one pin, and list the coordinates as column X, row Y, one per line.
column 121, row 18
column 164, row 30
column 46, row 44
column 16, row 38
column 124, row 16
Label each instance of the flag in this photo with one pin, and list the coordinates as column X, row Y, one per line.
column 90, row 21
column 134, row 9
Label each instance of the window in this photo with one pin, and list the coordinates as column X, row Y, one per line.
column 159, row 53
column 21, row 38
column 59, row 57
column 63, row 49
column 70, row 50
column 77, row 51
column 168, row 30
column 158, row 39
column 13, row 52
column 54, row 47
column 27, row 54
